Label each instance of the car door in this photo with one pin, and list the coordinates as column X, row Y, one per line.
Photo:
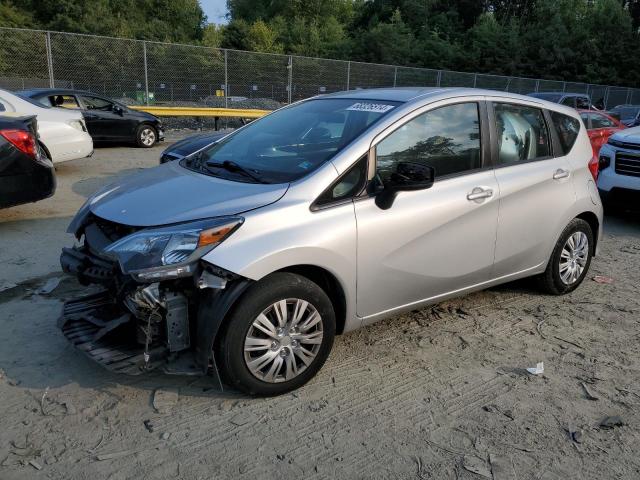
column 534, row 187
column 434, row 241
column 102, row 121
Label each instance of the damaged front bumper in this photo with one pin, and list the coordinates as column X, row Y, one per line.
column 131, row 326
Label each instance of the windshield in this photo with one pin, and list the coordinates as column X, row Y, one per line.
column 290, row 143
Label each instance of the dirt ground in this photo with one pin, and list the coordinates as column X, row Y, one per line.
column 438, row 393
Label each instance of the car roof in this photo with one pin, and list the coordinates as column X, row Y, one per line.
column 34, row 92
column 413, row 94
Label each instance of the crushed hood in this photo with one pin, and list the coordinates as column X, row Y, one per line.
column 170, row 193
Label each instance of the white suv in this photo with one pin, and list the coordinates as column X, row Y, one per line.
column 619, row 168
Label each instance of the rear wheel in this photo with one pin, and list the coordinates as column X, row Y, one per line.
column 278, row 337
column 146, row 136
column 570, row 260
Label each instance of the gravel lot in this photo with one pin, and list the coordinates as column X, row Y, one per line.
column 438, row 393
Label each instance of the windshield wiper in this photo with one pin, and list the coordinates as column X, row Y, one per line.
column 232, row 166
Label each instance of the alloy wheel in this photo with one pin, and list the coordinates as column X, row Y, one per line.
column 148, row 137
column 574, row 257
column 283, row 340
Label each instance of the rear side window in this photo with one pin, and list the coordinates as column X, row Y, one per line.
column 64, row 101
column 2, row 109
column 567, row 129
column 522, row 134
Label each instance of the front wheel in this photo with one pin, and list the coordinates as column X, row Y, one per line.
column 278, row 337
column 570, row 260
column 146, row 136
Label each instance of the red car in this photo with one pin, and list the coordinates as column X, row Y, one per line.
column 600, row 127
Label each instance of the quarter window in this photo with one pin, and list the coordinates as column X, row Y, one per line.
column 446, row 139
column 522, row 134
column 347, row 186
column 567, row 129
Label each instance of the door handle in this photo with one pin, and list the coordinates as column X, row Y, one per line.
column 560, row 173
column 479, row 193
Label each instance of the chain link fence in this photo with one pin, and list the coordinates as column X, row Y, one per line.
column 144, row 72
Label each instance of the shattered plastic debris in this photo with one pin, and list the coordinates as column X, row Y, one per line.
column 476, row 465
column 603, row 279
column 164, row 399
column 537, row 370
column 611, row 422
column 49, row 286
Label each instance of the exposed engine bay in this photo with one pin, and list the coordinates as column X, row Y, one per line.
column 133, row 325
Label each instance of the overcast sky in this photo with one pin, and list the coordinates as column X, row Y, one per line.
column 215, row 10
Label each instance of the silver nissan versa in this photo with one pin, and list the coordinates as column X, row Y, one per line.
column 246, row 258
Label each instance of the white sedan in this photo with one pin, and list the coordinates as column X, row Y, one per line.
column 63, row 134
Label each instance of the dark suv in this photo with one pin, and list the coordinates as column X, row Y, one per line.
column 106, row 119
column 578, row 101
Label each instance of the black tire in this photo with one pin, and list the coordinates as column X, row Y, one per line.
column 229, row 348
column 145, row 132
column 550, row 281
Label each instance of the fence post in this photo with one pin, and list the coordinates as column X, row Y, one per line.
column 475, row 80
column 439, row 78
column 47, row 40
column 290, row 68
column 226, row 80
column 564, row 86
column 537, row 85
column 348, row 73
column 395, row 76
column 606, row 98
column 146, row 73
column 628, row 99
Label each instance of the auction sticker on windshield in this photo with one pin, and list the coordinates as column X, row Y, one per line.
column 370, row 107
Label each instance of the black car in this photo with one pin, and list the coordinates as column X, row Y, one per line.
column 106, row 119
column 189, row 145
column 26, row 174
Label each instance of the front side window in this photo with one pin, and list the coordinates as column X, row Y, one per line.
column 290, row 143
column 446, row 139
column 95, row 103
column 522, row 134
column 567, row 129
column 600, row 121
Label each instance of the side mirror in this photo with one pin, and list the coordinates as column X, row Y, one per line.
column 118, row 110
column 408, row 176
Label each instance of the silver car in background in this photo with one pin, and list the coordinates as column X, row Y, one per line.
column 248, row 257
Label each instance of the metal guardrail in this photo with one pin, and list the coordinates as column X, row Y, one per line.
column 201, row 111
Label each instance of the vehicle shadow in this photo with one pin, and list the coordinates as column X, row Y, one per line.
column 88, row 186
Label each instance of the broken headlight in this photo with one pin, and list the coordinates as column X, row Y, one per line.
column 166, row 252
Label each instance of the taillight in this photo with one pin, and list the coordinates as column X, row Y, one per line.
column 593, row 167
column 22, row 140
